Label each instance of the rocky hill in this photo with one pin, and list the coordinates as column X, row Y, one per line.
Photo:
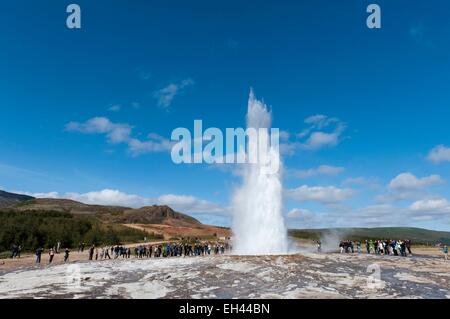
column 162, row 215
column 11, row 199
column 156, row 215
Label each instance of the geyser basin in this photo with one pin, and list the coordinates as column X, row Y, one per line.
column 258, row 223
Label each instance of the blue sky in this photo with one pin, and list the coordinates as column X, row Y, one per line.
column 87, row 114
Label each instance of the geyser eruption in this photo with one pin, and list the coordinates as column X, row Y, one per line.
column 258, row 224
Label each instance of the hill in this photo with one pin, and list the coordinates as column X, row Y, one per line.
column 161, row 215
column 11, row 199
column 67, row 206
column 416, row 235
column 156, row 215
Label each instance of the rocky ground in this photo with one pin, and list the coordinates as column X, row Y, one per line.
column 305, row 275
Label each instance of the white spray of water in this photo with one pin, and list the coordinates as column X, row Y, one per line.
column 258, row 226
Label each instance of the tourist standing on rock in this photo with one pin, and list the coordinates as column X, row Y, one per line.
column 107, row 253
column 66, row 255
column 408, row 246
column 403, row 248
column 13, row 251
column 445, row 251
column 38, row 255
column 51, row 254
column 372, row 246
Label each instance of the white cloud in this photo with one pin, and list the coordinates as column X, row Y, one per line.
column 321, row 170
column 109, row 197
column 38, row 195
column 323, row 131
column 191, row 204
column 408, row 186
column 433, row 205
column 326, row 195
column 439, row 154
column 115, row 108
column 154, row 143
column 166, row 95
column 408, row 181
column 116, row 132
column 121, row 133
column 318, row 140
column 382, row 215
column 284, row 135
column 320, row 121
column 300, row 214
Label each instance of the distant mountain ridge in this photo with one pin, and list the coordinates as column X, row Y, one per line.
column 11, row 199
column 155, row 214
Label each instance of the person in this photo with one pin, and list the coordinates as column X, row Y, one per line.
column 371, row 245
column 13, row 251
column 408, row 246
column 358, row 247
column 38, row 255
column 91, row 252
column 445, row 251
column 403, row 248
column 319, row 246
column 96, row 253
column 51, row 254
column 107, row 253
column 380, row 248
column 66, row 255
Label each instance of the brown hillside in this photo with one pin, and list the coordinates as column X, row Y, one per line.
column 162, row 215
column 67, row 205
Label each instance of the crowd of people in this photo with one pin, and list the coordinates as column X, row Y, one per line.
column 141, row 251
column 377, row 247
column 158, row 251
column 15, row 251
